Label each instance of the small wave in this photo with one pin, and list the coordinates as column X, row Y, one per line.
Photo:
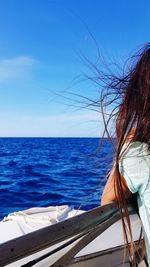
column 42, row 166
column 52, row 196
column 5, row 154
column 27, row 167
column 38, row 175
column 12, row 163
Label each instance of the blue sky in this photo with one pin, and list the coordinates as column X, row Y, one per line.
column 40, row 46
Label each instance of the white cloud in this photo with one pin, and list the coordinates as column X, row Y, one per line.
column 73, row 117
column 61, row 125
column 16, row 68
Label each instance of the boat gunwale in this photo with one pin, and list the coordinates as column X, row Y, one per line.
column 46, row 237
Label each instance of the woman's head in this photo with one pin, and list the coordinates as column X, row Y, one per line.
column 134, row 110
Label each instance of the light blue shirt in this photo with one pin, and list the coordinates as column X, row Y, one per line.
column 135, row 168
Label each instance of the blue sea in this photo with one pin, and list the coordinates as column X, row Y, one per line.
column 52, row 171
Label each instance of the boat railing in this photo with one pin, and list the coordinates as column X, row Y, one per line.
column 84, row 227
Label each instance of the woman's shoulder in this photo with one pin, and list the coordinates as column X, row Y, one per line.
column 134, row 165
column 135, row 149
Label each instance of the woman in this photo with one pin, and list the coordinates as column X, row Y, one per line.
column 131, row 169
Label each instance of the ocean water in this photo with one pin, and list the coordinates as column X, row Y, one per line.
column 52, row 171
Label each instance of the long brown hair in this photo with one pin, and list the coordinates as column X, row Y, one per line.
column 125, row 100
column 132, row 119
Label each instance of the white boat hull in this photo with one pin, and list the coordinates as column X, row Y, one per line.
column 107, row 249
